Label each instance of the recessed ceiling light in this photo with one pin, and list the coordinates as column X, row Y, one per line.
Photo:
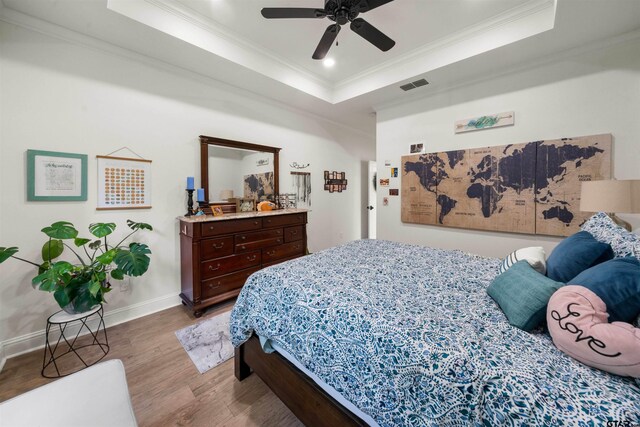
column 329, row 62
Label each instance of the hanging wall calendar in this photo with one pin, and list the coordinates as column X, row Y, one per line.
column 123, row 183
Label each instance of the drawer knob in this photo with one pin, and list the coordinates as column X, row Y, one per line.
column 269, row 221
column 218, row 246
column 255, row 222
column 243, row 237
column 294, row 232
column 251, row 258
column 271, row 253
column 211, row 268
column 214, row 287
column 278, row 240
column 243, row 247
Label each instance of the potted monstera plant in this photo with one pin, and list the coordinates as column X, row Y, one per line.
column 79, row 286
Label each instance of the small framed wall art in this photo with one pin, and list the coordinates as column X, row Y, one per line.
column 335, row 181
column 56, row 177
column 123, row 183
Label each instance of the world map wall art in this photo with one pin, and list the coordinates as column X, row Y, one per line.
column 529, row 188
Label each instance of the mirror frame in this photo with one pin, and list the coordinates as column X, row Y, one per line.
column 206, row 141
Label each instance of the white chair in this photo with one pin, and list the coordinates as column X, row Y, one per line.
column 97, row 396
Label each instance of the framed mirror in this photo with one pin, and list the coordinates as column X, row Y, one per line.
column 235, row 169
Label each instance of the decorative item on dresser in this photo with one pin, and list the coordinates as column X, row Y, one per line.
column 219, row 253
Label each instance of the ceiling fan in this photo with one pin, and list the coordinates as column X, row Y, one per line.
column 341, row 12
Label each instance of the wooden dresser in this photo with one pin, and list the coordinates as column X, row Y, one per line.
column 218, row 254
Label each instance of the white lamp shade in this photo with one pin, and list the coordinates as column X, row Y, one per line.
column 614, row 196
column 226, row 194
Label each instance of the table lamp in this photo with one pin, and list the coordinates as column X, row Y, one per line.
column 611, row 196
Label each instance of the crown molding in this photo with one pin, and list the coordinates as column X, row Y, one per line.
column 22, row 20
column 272, row 65
column 526, row 66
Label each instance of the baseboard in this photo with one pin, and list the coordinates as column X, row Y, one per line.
column 35, row 340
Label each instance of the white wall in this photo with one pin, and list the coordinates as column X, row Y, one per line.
column 589, row 93
column 61, row 96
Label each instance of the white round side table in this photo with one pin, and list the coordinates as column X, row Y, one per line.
column 77, row 323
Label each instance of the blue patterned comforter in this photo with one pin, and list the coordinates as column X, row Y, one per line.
column 409, row 335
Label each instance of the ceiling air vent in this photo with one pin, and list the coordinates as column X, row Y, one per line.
column 413, row 85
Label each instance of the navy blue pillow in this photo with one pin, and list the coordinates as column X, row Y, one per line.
column 574, row 255
column 617, row 282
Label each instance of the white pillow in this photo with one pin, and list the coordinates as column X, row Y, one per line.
column 535, row 256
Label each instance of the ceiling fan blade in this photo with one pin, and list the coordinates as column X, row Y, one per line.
column 292, row 12
column 367, row 5
column 326, row 41
column 372, row 34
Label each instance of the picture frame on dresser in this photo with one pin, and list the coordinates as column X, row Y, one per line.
column 245, row 205
column 217, row 210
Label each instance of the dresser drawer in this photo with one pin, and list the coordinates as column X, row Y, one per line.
column 291, row 234
column 215, row 248
column 243, row 247
column 216, row 228
column 228, row 264
column 257, row 235
column 280, row 220
column 282, row 251
column 226, row 283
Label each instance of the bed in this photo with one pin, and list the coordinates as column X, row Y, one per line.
column 392, row 334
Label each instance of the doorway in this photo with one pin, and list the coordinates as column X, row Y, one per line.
column 371, row 199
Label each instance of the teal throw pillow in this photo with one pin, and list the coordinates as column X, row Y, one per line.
column 523, row 294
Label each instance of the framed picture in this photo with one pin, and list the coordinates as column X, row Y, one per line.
column 56, row 177
column 217, row 210
column 245, row 205
column 123, row 183
column 417, row 148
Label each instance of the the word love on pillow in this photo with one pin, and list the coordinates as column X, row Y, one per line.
column 577, row 321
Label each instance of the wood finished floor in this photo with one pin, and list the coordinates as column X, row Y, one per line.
column 166, row 388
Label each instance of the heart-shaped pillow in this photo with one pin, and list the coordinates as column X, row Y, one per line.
column 577, row 321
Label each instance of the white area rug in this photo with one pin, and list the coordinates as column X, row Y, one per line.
column 207, row 343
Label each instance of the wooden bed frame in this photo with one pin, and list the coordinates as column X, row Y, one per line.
column 310, row 403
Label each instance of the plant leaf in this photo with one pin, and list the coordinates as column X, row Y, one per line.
column 117, row 274
column 44, row 267
column 58, row 274
column 61, row 230
column 6, row 253
column 139, row 225
column 80, row 241
column 107, row 257
column 134, row 261
column 94, row 288
column 101, row 229
column 95, row 245
column 52, row 250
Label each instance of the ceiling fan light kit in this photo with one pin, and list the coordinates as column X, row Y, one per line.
column 341, row 12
